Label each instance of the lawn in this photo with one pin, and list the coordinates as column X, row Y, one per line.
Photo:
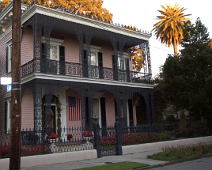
column 179, row 152
column 117, row 166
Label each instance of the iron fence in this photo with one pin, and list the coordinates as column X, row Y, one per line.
column 107, row 140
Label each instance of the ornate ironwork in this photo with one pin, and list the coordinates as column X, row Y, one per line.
column 82, row 69
column 37, row 31
column 76, row 69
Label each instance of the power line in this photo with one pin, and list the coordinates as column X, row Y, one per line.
column 161, row 48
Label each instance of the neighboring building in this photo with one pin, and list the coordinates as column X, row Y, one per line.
column 73, row 69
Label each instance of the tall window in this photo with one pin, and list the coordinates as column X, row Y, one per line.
column 9, row 55
column 8, row 115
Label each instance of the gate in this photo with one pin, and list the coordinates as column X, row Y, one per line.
column 107, row 140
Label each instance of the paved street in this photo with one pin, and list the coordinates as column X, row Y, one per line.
column 199, row 164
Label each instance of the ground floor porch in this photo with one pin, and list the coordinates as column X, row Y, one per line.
column 57, row 104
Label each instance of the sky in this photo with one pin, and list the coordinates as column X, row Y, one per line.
column 143, row 15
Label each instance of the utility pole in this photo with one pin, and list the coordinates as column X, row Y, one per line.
column 15, row 139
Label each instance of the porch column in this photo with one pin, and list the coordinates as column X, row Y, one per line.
column 147, row 100
column 37, row 95
column 88, row 37
column 113, row 39
column 81, row 94
column 48, row 114
column 125, row 96
column 46, row 56
column 118, row 101
column 90, row 108
column 152, row 107
column 37, row 33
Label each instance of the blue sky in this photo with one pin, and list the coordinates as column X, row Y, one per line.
column 142, row 14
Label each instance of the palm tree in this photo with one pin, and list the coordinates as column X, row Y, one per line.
column 169, row 28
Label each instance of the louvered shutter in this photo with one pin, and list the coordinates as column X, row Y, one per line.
column 85, row 64
column 100, row 65
column 128, row 69
column 7, row 59
column 62, row 60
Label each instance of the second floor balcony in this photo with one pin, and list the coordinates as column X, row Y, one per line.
column 63, row 68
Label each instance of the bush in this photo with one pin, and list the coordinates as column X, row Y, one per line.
column 25, row 151
column 135, row 138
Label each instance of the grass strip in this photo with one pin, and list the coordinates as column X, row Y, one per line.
column 117, row 166
column 179, row 152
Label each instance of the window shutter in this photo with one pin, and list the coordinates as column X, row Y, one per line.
column 62, row 60
column 113, row 59
column 130, row 106
column 128, row 69
column 115, row 71
column 85, row 64
column 103, row 112
column 7, row 59
column 100, row 65
column 43, row 56
column 100, row 59
column 62, row 53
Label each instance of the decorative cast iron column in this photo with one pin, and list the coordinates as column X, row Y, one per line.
column 48, row 111
column 125, row 96
column 88, row 37
column 37, row 33
column 37, row 95
column 115, row 58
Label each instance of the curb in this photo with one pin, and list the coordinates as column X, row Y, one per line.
column 175, row 162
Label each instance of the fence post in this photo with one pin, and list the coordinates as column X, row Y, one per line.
column 96, row 138
column 118, row 137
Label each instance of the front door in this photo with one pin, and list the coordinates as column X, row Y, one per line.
column 50, row 120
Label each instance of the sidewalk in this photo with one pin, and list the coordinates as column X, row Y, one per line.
column 138, row 157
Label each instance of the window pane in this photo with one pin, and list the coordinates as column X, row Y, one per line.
column 93, row 58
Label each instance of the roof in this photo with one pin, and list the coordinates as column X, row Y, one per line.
column 29, row 11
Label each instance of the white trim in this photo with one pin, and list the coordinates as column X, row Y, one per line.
column 54, row 41
column 128, row 116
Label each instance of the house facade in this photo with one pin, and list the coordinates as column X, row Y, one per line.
column 72, row 70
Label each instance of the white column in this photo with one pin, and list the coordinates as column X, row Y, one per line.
column 62, row 98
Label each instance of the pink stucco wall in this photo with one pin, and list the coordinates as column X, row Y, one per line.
column 27, row 110
column 27, row 46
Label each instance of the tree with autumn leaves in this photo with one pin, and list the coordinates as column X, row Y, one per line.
column 87, row 8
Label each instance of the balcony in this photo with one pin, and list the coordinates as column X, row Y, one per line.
column 79, row 70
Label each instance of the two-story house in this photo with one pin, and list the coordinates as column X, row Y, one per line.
column 73, row 68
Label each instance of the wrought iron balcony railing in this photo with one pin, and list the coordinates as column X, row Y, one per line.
column 80, row 70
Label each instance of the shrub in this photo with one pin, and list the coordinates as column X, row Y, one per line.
column 25, row 151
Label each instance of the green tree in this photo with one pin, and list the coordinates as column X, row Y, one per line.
column 196, row 58
column 186, row 81
column 169, row 28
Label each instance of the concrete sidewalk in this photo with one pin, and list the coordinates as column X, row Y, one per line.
column 138, row 157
